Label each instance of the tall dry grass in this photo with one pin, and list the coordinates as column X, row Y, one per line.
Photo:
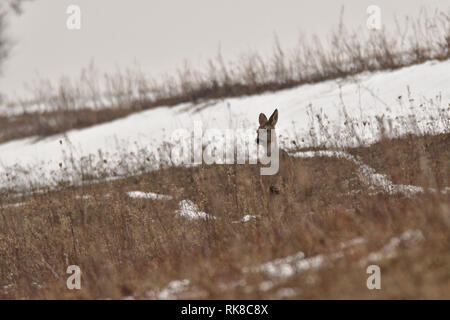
column 137, row 247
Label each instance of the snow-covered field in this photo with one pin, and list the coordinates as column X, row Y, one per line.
column 125, row 145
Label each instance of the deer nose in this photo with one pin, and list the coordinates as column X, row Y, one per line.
column 257, row 140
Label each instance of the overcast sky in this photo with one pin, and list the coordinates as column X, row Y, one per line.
column 159, row 34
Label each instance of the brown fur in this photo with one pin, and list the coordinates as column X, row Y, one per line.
column 272, row 185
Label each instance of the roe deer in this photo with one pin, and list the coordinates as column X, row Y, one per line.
column 266, row 137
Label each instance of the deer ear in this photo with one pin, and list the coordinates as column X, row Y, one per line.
column 274, row 118
column 262, row 119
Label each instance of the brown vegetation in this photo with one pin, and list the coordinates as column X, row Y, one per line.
column 136, row 247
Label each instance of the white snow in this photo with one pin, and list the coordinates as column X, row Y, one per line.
column 246, row 218
column 373, row 180
column 84, row 197
column 148, row 195
column 266, row 285
column 177, row 289
column 389, row 251
column 134, row 144
column 190, row 210
column 224, row 286
column 290, row 265
column 353, row 242
column 284, row 293
column 171, row 291
column 12, row 205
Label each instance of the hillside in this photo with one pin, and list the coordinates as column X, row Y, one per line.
column 367, row 183
column 410, row 100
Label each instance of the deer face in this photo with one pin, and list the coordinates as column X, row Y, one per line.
column 266, row 137
column 269, row 127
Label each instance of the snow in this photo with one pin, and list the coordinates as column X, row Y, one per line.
column 285, row 293
column 190, row 210
column 139, row 142
column 280, row 269
column 266, row 285
column 246, row 218
column 12, row 205
column 389, row 251
column 177, row 289
column 286, row 267
column 84, row 197
column 283, row 268
column 353, row 242
column 290, row 265
column 367, row 175
column 148, row 195
column 171, row 291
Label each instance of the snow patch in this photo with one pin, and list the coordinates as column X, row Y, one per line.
column 266, row 285
column 288, row 266
column 190, row 210
column 389, row 251
column 148, row 195
column 368, row 176
column 246, row 218
column 285, row 293
column 84, row 197
column 12, row 205
column 353, row 242
column 176, row 289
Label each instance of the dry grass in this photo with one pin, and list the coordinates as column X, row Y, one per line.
column 428, row 166
column 136, row 247
column 96, row 98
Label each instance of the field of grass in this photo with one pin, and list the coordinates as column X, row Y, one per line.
column 330, row 225
column 210, row 231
